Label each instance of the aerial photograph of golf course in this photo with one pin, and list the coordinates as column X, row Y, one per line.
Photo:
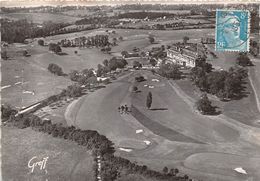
column 129, row 92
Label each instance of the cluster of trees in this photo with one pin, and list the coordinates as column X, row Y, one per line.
column 223, row 84
column 84, row 77
column 18, row 31
column 110, row 65
column 98, row 40
column 55, row 48
column 55, row 69
column 169, row 70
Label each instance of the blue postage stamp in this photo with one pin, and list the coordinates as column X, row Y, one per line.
column 232, row 30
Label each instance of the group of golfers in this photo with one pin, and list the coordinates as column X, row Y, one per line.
column 123, row 109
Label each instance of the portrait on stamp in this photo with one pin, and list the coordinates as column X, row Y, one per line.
column 232, row 30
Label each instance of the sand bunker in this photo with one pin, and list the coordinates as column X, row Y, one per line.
column 147, row 142
column 125, row 149
column 240, row 170
column 139, row 131
column 155, row 80
column 6, row 86
column 17, row 83
column 29, row 92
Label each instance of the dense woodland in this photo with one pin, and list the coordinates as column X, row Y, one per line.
column 18, row 31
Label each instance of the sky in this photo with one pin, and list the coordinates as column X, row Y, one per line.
column 33, row 3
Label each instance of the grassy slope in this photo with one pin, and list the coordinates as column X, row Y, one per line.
column 67, row 160
column 36, row 77
column 174, row 109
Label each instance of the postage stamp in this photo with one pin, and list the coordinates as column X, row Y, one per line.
column 232, row 30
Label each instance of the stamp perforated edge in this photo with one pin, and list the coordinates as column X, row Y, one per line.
column 248, row 34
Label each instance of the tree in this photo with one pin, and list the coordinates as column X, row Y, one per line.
column 121, row 38
column 105, row 62
column 135, row 89
column 151, row 39
column 185, row 39
column 149, row 100
column 55, row 69
column 4, row 55
column 244, row 60
column 25, row 53
column 153, row 62
column 204, row 105
column 137, row 65
column 124, row 54
column 7, row 111
column 165, row 170
column 114, row 41
column 41, row 42
column 74, row 75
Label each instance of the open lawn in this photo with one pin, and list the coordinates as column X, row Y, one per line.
column 243, row 110
column 41, row 17
column 24, row 81
column 38, row 82
column 169, row 106
column 66, row 160
column 85, row 58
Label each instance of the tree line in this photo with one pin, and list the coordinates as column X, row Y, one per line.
column 97, row 40
column 17, row 31
column 110, row 65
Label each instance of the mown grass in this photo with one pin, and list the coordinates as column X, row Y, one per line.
column 67, row 160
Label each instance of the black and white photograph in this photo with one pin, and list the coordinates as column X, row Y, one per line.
column 133, row 90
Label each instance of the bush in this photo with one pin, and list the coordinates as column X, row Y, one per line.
column 4, row 55
column 55, row 69
column 137, row 65
column 41, row 42
column 244, row 60
column 7, row 111
column 140, row 78
column 55, row 48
